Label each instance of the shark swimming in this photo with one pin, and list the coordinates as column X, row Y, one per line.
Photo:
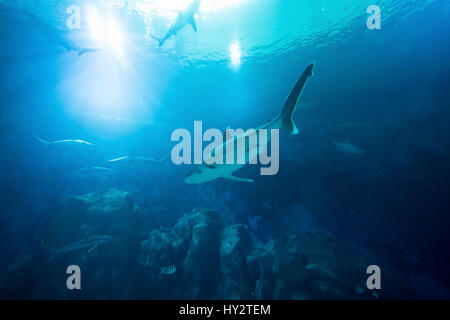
column 186, row 16
column 348, row 148
column 205, row 172
column 91, row 171
column 133, row 160
column 64, row 142
column 61, row 38
column 91, row 242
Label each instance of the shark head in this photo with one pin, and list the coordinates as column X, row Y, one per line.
column 200, row 174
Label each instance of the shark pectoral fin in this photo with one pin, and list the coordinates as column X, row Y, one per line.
column 193, row 24
column 231, row 177
column 92, row 248
column 87, row 50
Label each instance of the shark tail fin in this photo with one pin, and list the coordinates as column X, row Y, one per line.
column 160, row 40
column 45, row 142
column 291, row 102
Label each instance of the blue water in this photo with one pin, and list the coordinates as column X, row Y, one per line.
column 384, row 91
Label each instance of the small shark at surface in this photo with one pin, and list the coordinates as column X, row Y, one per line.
column 348, row 148
column 202, row 173
column 64, row 142
column 91, row 242
column 60, row 38
column 186, row 16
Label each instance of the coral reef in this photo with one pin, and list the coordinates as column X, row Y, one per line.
column 211, row 259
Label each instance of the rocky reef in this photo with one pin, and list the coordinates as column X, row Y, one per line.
column 223, row 262
column 209, row 259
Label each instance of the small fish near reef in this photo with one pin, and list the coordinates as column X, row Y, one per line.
column 167, row 270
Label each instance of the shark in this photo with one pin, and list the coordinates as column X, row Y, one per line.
column 202, row 173
column 184, row 17
column 91, row 242
column 348, row 148
column 91, row 171
column 61, row 38
column 133, row 160
column 64, row 142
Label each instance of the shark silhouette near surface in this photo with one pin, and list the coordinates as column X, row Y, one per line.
column 186, row 16
column 202, row 173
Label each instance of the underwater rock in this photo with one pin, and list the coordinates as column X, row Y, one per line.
column 318, row 266
column 97, row 212
column 208, row 259
column 192, row 246
column 224, row 262
column 15, row 275
column 200, row 264
column 108, row 213
column 236, row 244
column 19, row 262
column 260, row 262
column 107, row 206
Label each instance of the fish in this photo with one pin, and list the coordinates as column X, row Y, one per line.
column 61, row 38
column 64, row 142
column 184, row 17
column 168, row 270
column 348, row 148
column 91, row 242
column 202, row 173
